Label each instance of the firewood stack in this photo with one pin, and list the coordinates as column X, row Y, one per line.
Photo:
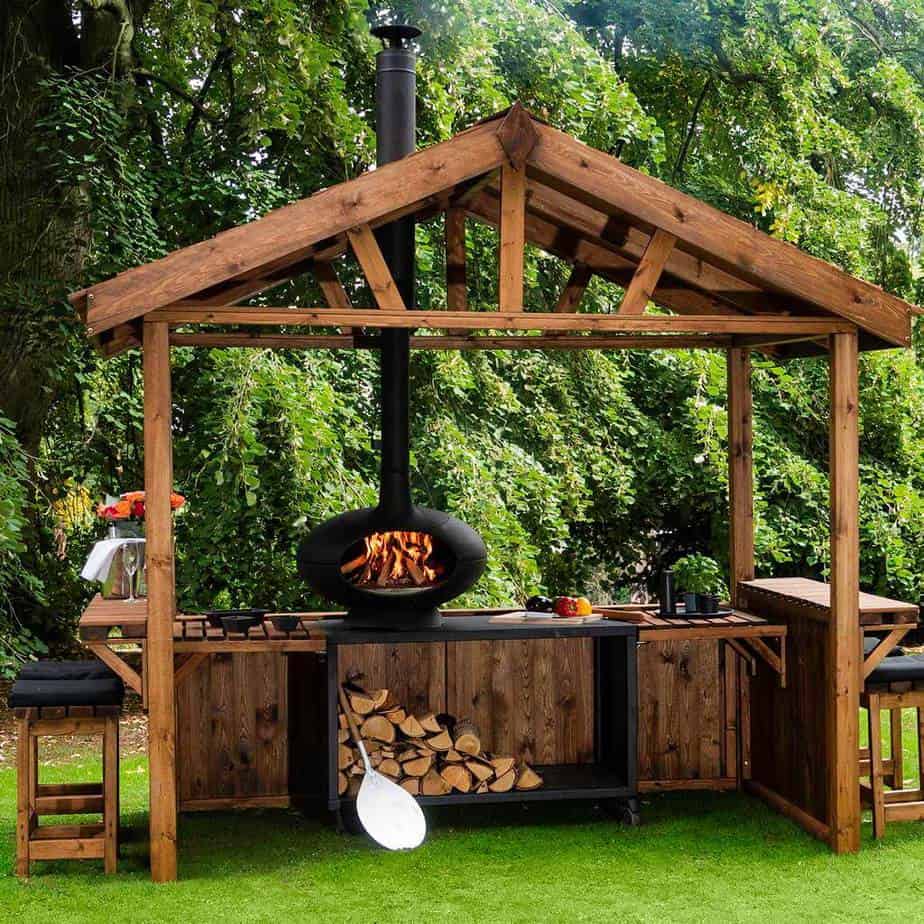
column 428, row 755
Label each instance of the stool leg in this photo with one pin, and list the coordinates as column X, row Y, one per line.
column 875, row 767
column 920, row 724
column 111, row 793
column 895, row 736
column 24, row 763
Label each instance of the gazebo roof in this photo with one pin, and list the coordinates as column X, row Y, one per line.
column 575, row 202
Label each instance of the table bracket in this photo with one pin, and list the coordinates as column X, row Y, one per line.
column 878, row 654
column 187, row 667
column 121, row 667
column 776, row 660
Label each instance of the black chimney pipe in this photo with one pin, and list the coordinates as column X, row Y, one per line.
column 395, row 129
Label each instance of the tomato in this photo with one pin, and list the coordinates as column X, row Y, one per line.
column 565, row 606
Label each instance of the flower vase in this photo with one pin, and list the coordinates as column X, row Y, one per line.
column 116, row 586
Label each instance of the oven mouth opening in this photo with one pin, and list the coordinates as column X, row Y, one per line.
column 397, row 563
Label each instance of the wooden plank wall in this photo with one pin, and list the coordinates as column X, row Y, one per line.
column 681, row 711
column 232, row 729
column 788, row 739
column 533, row 699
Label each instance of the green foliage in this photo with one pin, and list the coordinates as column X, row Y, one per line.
column 699, row 574
column 584, row 472
column 16, row 641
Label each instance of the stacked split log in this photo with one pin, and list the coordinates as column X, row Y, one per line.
column 428, row 755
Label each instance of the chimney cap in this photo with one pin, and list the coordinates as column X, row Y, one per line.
column 396, row 35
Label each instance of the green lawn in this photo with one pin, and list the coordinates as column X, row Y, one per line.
column 697, row 858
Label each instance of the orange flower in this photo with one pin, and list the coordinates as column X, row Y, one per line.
column 176, row 501
column 133, row 496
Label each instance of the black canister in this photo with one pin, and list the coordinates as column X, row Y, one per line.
column 668, row 593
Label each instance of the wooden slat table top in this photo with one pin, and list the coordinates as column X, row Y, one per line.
column 738, row 624
column 101, row 616
column 817, row 595
column 192, row 633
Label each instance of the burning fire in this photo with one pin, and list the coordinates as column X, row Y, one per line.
column 395, row 559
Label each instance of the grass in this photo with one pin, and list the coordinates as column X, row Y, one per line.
column 702, row 857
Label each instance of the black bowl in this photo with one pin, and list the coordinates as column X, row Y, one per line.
column 285, row 623
column 242, row 620
column 215, row 617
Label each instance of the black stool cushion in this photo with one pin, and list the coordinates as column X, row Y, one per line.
column 896, row 670
column 870, row 643
column 65, row 670
column 89, row 691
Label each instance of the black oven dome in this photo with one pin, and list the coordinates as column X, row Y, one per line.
column 322, row 553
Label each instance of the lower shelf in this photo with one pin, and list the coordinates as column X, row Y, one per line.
column 560, row 782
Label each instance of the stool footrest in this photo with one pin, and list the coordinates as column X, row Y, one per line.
column 68, row 842
column 69, row 799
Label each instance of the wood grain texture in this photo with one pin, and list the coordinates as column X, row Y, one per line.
column 415, row 674
column 456, row 280
column 375, row 269
column 462, row 341
column 844, row 629
column 531, row 698
column 645, row 279
column 512, row 239
column 573, row 292
column 613, row 187
column 505, row 320
column 232, row 730
column 740, row 470
column 158, row 484
column 789, row 751
column 680, row 711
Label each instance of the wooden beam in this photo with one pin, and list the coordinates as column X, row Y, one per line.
column 603, row 261
column 512, row 238
column 506, row 320
column 454, row 342
column 646, row 277
column 332, row 290
column 612, row 187
column 517, row 135
column 129, row 675
column 573, row 292
column 623, row 240
column 843, row 688
column 372, row 196
column 158, row 484
column 740, row 471
column 378, row 275
column 456, row 282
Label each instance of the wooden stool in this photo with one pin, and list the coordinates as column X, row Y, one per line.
column 898, row 683
column 893, row 765
column 53, row 707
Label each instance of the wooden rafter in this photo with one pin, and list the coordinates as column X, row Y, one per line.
column 615, row 235
column 646, row 277
column 610, row 186
column 331, row 288
column 573, row 292
column 374, row 195
column 512, row 238
column 367, row 251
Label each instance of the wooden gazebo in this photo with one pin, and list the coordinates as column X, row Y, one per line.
column 717, row 283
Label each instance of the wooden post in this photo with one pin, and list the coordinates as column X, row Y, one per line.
column 740, row 471
column 158, row 483
column 456, row 283
column 843, row 689
column 512, row 238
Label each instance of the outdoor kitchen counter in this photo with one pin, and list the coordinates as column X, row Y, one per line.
column 246, row 705
column 792, row 728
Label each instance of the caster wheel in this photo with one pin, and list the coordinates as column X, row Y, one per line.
column 630, row 817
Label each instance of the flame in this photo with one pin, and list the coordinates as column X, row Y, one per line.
column 395, row 559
